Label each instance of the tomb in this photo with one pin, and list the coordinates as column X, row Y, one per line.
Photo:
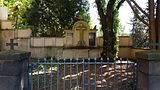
column 80, row 36
column 80, row 41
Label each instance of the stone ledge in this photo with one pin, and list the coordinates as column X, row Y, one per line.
column 152, row 55
column 14, row 55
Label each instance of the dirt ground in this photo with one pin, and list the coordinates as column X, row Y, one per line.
column 106, row 78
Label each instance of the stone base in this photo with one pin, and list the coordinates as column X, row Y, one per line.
column 10, row 83
column 14, row 70
column 148, row 70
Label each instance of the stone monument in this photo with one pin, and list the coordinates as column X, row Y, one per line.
column 14, row 70
column 80, row 35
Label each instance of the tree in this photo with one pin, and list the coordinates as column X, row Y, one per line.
column 153, row 21
column 139, row 33
column 107, row 12
column 18, row 11
column 51, row 17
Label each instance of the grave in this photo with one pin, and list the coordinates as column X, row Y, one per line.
column 80, row 35
column 14, row 70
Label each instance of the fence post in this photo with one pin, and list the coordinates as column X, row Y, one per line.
column 14, row 70
column 148, row 70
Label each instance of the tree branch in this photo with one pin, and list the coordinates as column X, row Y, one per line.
column 119, row 4
column 136, row 14
column 140, row 8
column 100, row 9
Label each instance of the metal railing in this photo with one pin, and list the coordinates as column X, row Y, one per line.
column 83, row 74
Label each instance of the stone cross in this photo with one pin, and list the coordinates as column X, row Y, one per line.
column 81, row 28
column 11, row 44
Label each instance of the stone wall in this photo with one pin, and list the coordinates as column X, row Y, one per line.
column 51, row 46
column 148, row 70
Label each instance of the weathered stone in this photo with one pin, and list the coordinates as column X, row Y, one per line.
column 148, row 70
column 154, row 83
column 9, row 83
column 94, row 53
column 49, row 42
column 3, row 13
column 59, row 42
column 149, row 55
column 6, row 24
column 14, row 70
column 81, row 53
column 23, row 33
column 68, row 53
column 37, row 42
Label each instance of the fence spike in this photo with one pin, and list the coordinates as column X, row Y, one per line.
column 77, row 59
column 83, row 60
column 108, row 59
column 71, row 59
column 64, row 59
column 51, row 58
column 45, row 59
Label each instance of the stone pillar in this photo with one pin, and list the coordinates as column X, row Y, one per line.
column 148, row 70
column 14, row 70
column 3, row 13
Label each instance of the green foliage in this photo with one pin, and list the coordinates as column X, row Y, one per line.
column 1, row 2
column 51, row 17
column 139, row 33
column 46, row 17
column 116, row 30
column 18, row 11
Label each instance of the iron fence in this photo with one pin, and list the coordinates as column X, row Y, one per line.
column 83, row 74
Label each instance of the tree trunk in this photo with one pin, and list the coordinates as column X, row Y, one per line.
column 152, row 28
column 107, row 22
column 158, row 23
column 109, row 37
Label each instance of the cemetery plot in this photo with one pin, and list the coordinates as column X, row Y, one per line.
column 84, row 76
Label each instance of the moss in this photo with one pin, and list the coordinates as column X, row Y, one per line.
column 12, row 52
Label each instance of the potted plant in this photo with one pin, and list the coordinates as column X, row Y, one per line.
column 3, row 11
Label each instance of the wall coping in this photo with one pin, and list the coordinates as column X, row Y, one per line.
column 150, row 55
column 13, row 55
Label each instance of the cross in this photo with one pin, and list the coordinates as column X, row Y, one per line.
column 11, row 44
column 81, row 28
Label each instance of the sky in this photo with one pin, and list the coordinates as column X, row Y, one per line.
column 125, row 14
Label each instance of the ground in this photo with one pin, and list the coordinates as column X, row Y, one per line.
column 107, row 78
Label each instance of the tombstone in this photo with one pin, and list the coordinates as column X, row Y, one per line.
column 14, row 70
column 81, row 35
